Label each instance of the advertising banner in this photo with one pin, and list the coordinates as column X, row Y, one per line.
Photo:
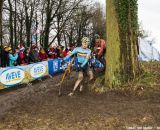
column 54, row 66
column 38, row 70
column 12, row 76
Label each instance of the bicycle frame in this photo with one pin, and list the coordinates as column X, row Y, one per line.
column 67, row 71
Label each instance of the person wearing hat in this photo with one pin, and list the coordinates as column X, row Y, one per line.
column 34, row 53
column 42, row 54
column 28, row 56
column 83, row 54
column 5, row 56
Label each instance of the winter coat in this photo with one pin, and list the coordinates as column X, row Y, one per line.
column 12, row 59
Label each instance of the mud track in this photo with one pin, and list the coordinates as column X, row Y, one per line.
column 38, row 107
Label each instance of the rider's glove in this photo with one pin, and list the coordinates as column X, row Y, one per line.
column 82, row 66
column 79, row 68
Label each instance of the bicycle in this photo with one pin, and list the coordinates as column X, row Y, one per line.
column 66, row 72
column 97, row 63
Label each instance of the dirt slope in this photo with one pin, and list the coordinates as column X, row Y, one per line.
column 39, row 108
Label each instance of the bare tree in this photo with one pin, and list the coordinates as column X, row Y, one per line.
column 1, row 8
column 64, row 21
column 69, row 7
column 11, row 22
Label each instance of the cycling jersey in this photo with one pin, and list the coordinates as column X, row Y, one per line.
column 83, row 55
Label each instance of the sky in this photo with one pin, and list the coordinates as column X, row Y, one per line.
column 149, row 17
column 103, row 3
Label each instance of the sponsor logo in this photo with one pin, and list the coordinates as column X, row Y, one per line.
column 55, row 66
column 38, row 70
column 12, row 76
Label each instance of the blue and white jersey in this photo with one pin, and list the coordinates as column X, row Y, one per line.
column 83, row 55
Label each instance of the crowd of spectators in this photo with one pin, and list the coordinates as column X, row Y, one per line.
column 23, row 55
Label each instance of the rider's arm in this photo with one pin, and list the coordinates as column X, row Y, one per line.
column 72, row 53
column 102, row 47
column 86, row 60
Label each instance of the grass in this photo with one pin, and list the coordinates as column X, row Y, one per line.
column 147, row 82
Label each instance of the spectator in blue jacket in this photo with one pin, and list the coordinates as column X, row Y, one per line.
column 13, row 56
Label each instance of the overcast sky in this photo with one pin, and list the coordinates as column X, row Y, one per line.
column 149, row 17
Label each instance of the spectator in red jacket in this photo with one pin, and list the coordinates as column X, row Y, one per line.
column 51, row 53
column 43, row 55
column 21, row 55
column 65, row 51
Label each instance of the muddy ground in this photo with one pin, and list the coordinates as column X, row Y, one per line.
column 38, row 107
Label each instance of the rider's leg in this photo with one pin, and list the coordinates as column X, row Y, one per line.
column 91, row 77
column 90, row 74
column 80, row 78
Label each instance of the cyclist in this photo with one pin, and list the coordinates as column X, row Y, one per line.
column 83, row 54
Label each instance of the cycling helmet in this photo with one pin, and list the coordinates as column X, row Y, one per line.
column 96, row 36
column 85, row 40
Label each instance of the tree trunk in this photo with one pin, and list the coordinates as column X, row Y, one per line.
column 65, row 40
column 58, row 30
column 15, row 25
column 46, row 35
column 28, row 30
column 36, row 29
column 47, row 25
column 21, row 28
column 122, row 61
column 28, row 22
column 1, row 8
column 11, row 23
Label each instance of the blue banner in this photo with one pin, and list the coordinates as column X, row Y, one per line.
column 53, row 66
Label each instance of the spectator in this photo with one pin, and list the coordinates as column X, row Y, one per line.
column 65, row 51
column 18, row 59
column 43, row 55
column 51, row 53
column 55, row 51
column 5, row 56
column 34, row 53
column 13, row 55
column 21, row 55
column 28, row 56
column 61, row 51
column 58, row 51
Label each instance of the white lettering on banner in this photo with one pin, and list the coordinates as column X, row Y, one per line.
column 64, row 66
column 12, row 76
column 38, row 70
column 55, row 65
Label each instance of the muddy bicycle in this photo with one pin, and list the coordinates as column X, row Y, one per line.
column 66, row 73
